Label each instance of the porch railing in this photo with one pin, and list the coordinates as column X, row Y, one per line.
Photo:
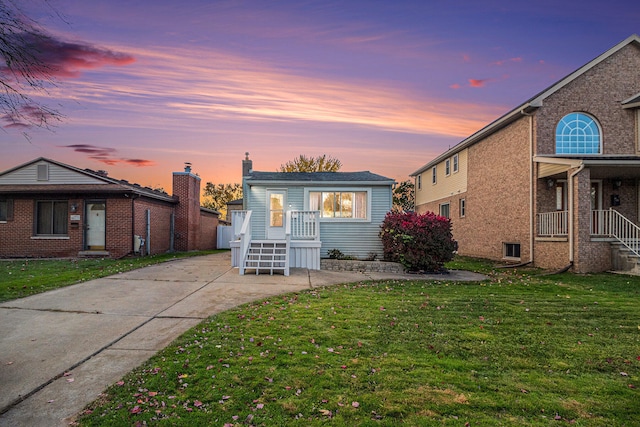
column 305, row 225
column 552, row 224
column 237, row 220
column 245, row 238
column 614, row 224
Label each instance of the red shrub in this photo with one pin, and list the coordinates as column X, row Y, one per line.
column 420, row 242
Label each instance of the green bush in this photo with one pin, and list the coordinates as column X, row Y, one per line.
column 420, row 242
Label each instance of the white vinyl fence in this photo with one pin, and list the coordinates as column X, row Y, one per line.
column 225, row 235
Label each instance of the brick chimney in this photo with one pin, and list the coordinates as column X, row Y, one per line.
column 247, row 165
column 186, row 186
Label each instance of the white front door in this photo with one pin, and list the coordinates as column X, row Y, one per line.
column 276, row 201
column 95, row 224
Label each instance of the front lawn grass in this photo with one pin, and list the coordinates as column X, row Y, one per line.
column 21, row 278
column 514, row 350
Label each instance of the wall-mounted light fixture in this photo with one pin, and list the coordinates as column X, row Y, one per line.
column 74, row 207
column 617, row 183
column 550, row 183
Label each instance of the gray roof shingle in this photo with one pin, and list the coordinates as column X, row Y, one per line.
column 363, row 176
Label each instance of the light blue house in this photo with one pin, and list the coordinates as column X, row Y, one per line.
column 292, row 219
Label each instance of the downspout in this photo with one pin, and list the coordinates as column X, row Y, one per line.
column 531, row 195
column 133, row 222
column 148, row 236
column 531, row 198
column 571, row 208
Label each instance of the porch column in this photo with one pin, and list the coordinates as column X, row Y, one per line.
column 581, row 219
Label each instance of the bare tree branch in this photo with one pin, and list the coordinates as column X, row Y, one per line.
column 24, row 71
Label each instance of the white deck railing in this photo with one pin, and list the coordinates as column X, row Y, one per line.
column 553, row 224
column 245, row 239
column 613, row 224
column 237, row 220
column 304, row 225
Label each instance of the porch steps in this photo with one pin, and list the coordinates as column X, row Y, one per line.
column 623, row 260
column 267, row 255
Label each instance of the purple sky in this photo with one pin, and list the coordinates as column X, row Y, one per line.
column 382, row 85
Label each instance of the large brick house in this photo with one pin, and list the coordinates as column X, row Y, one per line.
column 51, row 209
column 556, row 180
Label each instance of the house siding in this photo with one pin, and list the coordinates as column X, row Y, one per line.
column 446, row 185
column 358, row 239
column 501, row 175
column 57, row 175
column 497, row 207
column 353, row 238
column 126, row 207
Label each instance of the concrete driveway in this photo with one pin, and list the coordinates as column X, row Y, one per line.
column 59, row 350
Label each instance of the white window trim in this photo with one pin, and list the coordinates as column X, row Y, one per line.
column 447, row 167
column 463, row 209
column 456, row 163
column 419, row 182
column 440, row 209
column 307, row 190
column 434, row 175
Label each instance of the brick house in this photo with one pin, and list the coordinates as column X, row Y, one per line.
column 50, row 209
column 556, row 180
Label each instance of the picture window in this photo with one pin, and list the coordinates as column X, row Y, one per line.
column 51, row 218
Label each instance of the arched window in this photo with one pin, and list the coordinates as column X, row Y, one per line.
column 578, row 133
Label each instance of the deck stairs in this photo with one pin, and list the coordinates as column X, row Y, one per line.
column 267, row 256
column 624, row 259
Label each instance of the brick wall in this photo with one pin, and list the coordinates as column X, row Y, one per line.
column 17, row 236
column 598, row 92
column 159, row 237
column 208, row 231
column 497, row 198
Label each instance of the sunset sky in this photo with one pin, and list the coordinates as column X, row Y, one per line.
column 385, row 86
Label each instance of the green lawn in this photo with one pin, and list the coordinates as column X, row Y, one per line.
column 518, row 349
column 21, row 278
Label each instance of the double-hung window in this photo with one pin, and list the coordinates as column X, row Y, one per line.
column 455, row 163
column 447, row 167
column 6, row 210
column 434, row 175
column 444, row 210
column 51, row 218
column 340, row 204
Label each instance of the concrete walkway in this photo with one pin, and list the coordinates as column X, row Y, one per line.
column 59, row 350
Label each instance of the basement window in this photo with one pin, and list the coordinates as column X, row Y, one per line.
column 511, row 250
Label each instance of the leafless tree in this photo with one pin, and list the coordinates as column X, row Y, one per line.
column 303, row 163
column 24, row 72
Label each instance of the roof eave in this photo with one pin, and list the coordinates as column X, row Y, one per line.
column 317, row 183
column 496, row 125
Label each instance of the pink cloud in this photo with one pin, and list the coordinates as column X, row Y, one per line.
column 455, row 86
column 466, row 58
column 26, row 116
column 63, row 59
column 478, row 82
column 107, row 155
column 504, row 61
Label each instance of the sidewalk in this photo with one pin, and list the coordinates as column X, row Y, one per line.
column 59, row 350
